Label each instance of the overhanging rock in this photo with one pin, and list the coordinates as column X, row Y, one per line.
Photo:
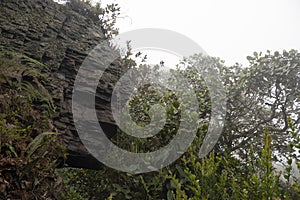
column 60, row 38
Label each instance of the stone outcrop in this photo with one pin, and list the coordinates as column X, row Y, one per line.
column 60, row 38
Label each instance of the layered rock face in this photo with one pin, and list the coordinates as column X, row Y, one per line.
column 61, row 39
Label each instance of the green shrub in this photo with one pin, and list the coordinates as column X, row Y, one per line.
column 29, row 145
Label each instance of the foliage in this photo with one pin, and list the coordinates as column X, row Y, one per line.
column 292, row 159
column 263, row 94
column 213, row 177
column 224, row 173
column 29, row 146
column 262, row 98
column 106, row 17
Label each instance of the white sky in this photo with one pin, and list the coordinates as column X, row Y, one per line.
column 229, row 29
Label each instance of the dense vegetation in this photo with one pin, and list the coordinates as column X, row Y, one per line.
column 248, row 170
column 261, row 131
column 30, row 150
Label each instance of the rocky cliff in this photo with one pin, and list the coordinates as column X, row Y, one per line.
column 60, row 38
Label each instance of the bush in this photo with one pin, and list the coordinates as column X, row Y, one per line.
column 29, row 146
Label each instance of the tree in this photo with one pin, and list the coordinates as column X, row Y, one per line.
column 264, row 94
column 241, row 165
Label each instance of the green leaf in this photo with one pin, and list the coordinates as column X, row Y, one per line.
column 36, row 143
column 12, row 149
